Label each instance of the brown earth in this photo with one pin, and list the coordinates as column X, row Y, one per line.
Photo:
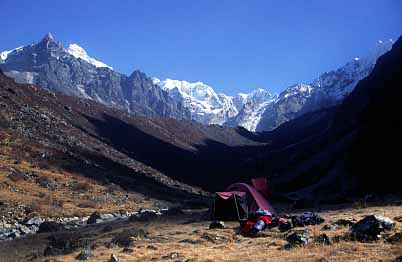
column 187, row 238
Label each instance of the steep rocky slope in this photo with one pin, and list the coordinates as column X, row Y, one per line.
column 343, row 150
column 81, row 135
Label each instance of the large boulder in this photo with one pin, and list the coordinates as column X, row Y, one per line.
column 371, row 227
column 217, row 224
column 94, row 218
column 50, row 226
column 85, row 255
column 144, row 215
column 298, row 238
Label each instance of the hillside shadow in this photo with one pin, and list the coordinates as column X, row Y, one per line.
column 106, row 171
column 212, row 165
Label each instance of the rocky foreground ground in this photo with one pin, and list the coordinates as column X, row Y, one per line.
column 185, row 236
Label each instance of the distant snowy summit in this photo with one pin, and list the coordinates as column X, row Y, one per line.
column 72, row 49
column 79, row 52
column 205, row 104
column 261, row 110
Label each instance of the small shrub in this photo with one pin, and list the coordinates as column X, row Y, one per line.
column 57, row 203
column 87, row 204
column 44, row 181
column 16, row 177
column 65, row 243
column 33, row 208
column 81, row 187
column 41, row 195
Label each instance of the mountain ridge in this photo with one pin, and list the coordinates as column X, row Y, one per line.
column 49, row 65
column 83, row 76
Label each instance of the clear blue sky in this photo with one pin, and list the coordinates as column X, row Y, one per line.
column 233, row 45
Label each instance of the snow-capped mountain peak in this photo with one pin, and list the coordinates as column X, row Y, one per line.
column 205, row 105
column 4, row 54
column 210, row 107
column 78, row 52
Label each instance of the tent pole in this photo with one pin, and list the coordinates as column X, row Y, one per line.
column 213, row 213
column 237, row 208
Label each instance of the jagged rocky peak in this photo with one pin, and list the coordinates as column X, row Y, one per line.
column 72, row 72
column 49, row 42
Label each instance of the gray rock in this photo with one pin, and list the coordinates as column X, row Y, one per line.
column 371, row 227
column 25, row 230
column 298, row 238
column 323, row 239
column 344, row 222
column 50, row 226
column 217, row 225
column 34, row 221
column 127, row 250
column 14, row 234
column 114, row 258
column 94, row 218
column 145, row 215
column 172, row 255
column 85, row 255
column 107, row 217
column 330, row 227
column 395, row 239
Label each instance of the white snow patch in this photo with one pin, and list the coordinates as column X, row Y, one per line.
column 4, row 54
column 78, row 52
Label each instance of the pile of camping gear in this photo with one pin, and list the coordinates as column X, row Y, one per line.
column 248, row 204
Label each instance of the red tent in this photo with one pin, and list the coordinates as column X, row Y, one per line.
column 257, row 199
column 239, row 199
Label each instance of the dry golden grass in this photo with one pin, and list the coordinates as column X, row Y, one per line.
column 65, row 200
column 194, row 242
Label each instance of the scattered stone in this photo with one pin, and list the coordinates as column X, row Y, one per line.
column 370, row 228
column 144, row 215
column 107, row 228
column 395, row 239
column 85, row 255
column 217, row 225
column 284, row 226
column 65, row 243
column 298, row 238
column 344, row 222
column 323, row 239
column 94, row 218
column 151, row 247
column 127, row 237
column 14, row 235
column 213, row 238
column 172, row 255
column 34, row 221
column 191, row 241
column 113, row 258
column 337, row 238
column 398, row 218
column 50, row 226
column 24, row 230
column 107, row 217
column 330, row 227
column 173, row 211
column 127, row 250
